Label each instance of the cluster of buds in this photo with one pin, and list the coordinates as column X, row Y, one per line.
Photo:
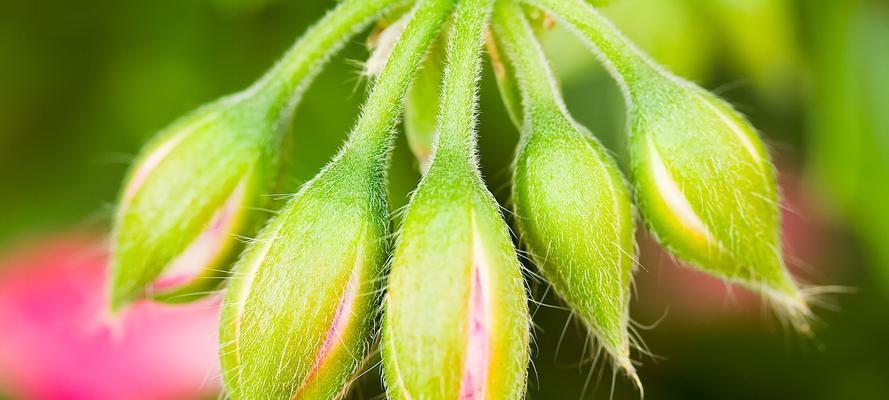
column 302, row 300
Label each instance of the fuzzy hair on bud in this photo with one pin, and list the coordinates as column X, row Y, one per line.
column 573, row 208
column 574, row 213
column 456, row 320
column 187, row 198
column 704, row 182
column 708, row 190
column 297, row 316
column 198, row 187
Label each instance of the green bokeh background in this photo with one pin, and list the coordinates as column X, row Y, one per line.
column 84, row 84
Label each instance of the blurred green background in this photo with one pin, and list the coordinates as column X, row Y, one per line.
column 84, row 84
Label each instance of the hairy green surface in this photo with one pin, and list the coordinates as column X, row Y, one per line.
column 505, row 76
column 453, row 238
column 573, row 208
column 422, row 98
column 232, row 141
column 288, row 287
column 219, row 147
column 704, row 181
column 280, row 334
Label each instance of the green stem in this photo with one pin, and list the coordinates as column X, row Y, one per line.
column 540, row 92
column 629, row 65
column 285, row 82
column 372, row 135
column 456, row 119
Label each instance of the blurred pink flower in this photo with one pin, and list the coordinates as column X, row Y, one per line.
column 55, row 345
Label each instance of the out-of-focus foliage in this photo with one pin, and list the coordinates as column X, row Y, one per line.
column 85, row 84
column 848, row 117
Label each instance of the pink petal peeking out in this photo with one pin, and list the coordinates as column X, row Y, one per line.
column 54, row 346
column 334, row 333
column 475, row 370
column 183, row 270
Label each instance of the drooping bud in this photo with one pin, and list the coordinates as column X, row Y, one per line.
column 187, row 198
column 708, row 190
column 197, row 187
column 298, row 311
column 296, row 320
column 573, row 208
column 574, row 213
column 456, row 320
column 704, row 181
column 456, row 323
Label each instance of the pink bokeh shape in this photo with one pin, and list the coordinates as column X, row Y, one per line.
column 56, row 345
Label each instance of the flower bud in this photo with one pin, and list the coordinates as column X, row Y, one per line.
column 195, row 190
column 456, row 320
column 704, row 182
column 574, row 213
column 573, row 209
column 297, row 314
column 707, row 188
column 187, row 198
column 296, row 318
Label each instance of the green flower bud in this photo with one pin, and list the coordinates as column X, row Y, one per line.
column 573, row 208
column 456, row 320
column 195, row 189
column 296, row 320
column 574, row 213
column 708, row 191
column 297, row 314
column 704, row 181
column 456, row 323
column 188, row 197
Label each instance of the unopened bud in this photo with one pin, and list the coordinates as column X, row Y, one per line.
column 704, row 181
column 456, row 320
column 297, row 316
column 707, row 189
column 574, row 213
column 198, row 187
column 186, row 200
column 573, row 208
